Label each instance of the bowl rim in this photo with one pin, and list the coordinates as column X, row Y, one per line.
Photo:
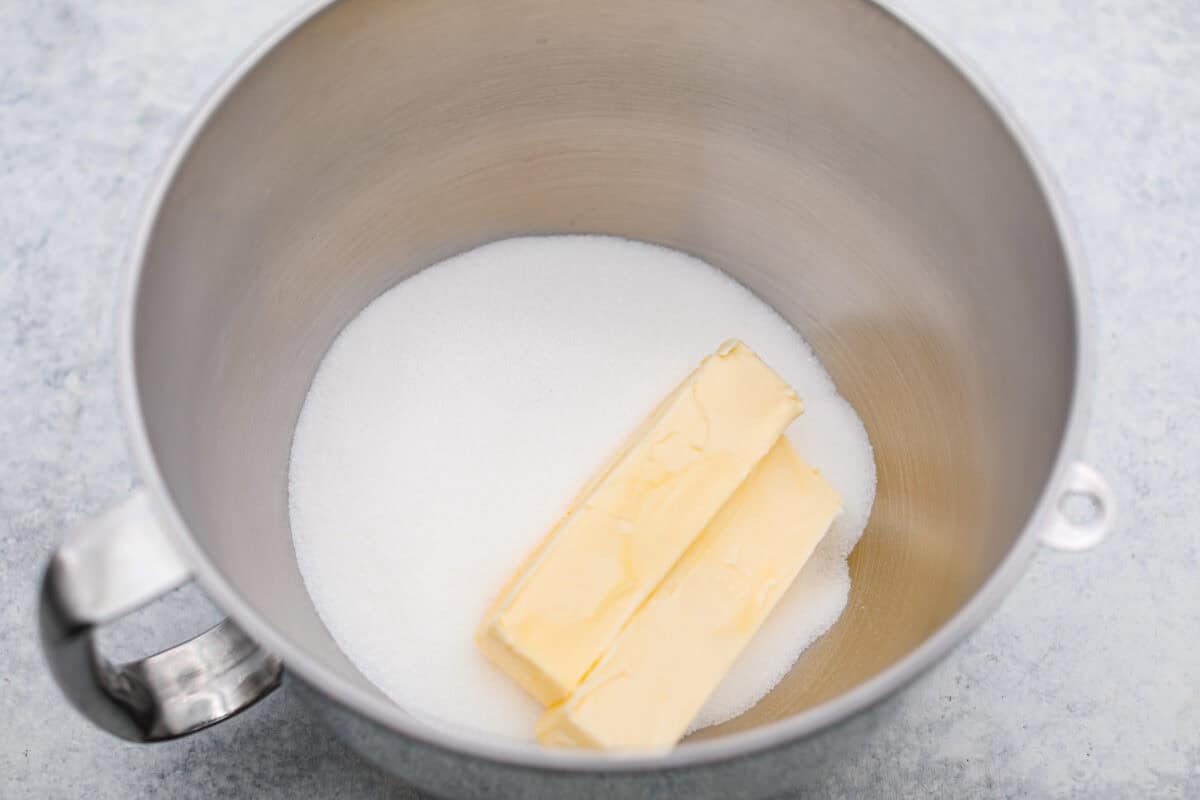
column 523, row 754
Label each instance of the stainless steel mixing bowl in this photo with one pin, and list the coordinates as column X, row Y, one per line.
column 821, row 152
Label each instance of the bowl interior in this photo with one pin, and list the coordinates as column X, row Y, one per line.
column 819, row 152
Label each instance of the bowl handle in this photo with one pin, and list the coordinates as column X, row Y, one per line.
column 1085, row 531
column 106, row 568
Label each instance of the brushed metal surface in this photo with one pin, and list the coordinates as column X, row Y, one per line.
column 820, row 152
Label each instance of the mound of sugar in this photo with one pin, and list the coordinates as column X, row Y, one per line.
column 454, row 419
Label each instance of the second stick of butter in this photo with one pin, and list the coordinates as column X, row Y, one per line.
column 631, row 523
column 665, row 663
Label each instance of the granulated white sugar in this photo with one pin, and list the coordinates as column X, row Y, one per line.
column 453, row 421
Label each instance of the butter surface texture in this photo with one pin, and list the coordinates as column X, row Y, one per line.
column 633, row 521
column 665, row 663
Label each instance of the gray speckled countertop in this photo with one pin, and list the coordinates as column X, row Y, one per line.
column 1086, row 683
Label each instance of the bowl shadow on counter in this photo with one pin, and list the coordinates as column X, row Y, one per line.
column 277, row 749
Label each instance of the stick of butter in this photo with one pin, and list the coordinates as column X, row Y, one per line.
column 666, row 662
column 631, row 523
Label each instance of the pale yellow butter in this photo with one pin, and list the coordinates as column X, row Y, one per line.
column 631, row 523
column 665, row 663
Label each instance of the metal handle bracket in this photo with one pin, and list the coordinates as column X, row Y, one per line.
column 103, row 570
column 1074, row 534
